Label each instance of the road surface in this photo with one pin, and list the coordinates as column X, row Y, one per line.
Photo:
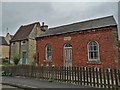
column 41, row 84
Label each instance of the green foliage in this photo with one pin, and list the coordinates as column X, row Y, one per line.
column 34, row 59
column 34, row 56
column 16, row 59
column 5, row 61
column 50, row 80
column 4, row 73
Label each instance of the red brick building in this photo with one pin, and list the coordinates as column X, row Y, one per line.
column 92, row 43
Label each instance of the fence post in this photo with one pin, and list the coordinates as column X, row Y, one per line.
column 116, row 79
column 100, row 73
column 65, row 68
column 87, row 75
column 81, row 76
column 75, row 75
column 78, row 75
column 90, row 76
column 104, row 77
column 119, row 76
column 93, row 74
column 83, row 71
column 70, row 73
column 112, row 78
column 108, row 82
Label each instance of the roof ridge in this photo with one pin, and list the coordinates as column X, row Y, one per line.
column 23, row 32
column 30, row 24
column 81, row 26
column 82, row 21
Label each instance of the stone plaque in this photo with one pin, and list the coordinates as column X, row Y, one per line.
column 67, row 38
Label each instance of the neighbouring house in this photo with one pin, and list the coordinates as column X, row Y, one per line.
column 23, row 43
column 92, row 43
column 4, row 46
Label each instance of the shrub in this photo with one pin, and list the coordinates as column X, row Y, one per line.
column 4, row 73
column 16, row 59
column 5, row 61
column 50, row 80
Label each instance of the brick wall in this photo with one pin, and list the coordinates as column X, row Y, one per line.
column 79, row 40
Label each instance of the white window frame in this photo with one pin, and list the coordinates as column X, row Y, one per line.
column 93, row 60
column 46, row 53
column 23, row 42
column 13, row 43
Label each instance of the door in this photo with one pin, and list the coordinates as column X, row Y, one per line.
column 68, row 55
column 24, row 54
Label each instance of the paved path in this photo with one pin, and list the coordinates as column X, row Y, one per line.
column 37, row 83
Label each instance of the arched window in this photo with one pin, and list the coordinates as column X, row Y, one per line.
column 48, row 52
column 93, row 51
column 67, row 46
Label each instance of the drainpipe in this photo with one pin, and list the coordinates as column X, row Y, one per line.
column 9, row 52
column 19, row 49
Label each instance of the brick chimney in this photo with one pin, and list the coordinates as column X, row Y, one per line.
column 44, row 27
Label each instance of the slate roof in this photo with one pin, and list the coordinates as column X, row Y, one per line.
column 23, row 32
column 79, row 26
column 3, row 41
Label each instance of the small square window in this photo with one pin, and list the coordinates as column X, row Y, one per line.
column 23, row 42
column 12, row 44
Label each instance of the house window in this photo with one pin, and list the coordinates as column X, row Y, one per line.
column 93, row 51
column 48, row 52
column 12, row 43
column 22, row 42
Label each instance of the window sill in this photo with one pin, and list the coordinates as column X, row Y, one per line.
column 47, row 61
column 94, row 62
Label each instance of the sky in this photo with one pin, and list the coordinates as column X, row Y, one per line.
column 15, row 14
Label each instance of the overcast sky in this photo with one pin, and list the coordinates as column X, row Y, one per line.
column 15, row 14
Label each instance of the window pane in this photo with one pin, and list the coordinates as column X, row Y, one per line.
column 95, row 48
column 95, row 55
column 68, row 45
column 90, row 47
column 48, row 52
column 91, row 55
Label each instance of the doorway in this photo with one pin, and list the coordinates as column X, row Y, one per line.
column 68, row 55
column 24, row 55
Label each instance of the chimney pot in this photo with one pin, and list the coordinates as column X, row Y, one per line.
column 42, row 23
column 44, row 27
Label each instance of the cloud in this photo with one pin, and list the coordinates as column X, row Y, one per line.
column 0, row 18
column 54, row 14
column 59, row 0
column 16, row 14
column 72, row 12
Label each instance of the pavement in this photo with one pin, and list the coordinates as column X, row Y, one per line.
column 6, row 87
column 33, row 83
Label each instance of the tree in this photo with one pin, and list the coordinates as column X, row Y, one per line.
column 16, row 59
